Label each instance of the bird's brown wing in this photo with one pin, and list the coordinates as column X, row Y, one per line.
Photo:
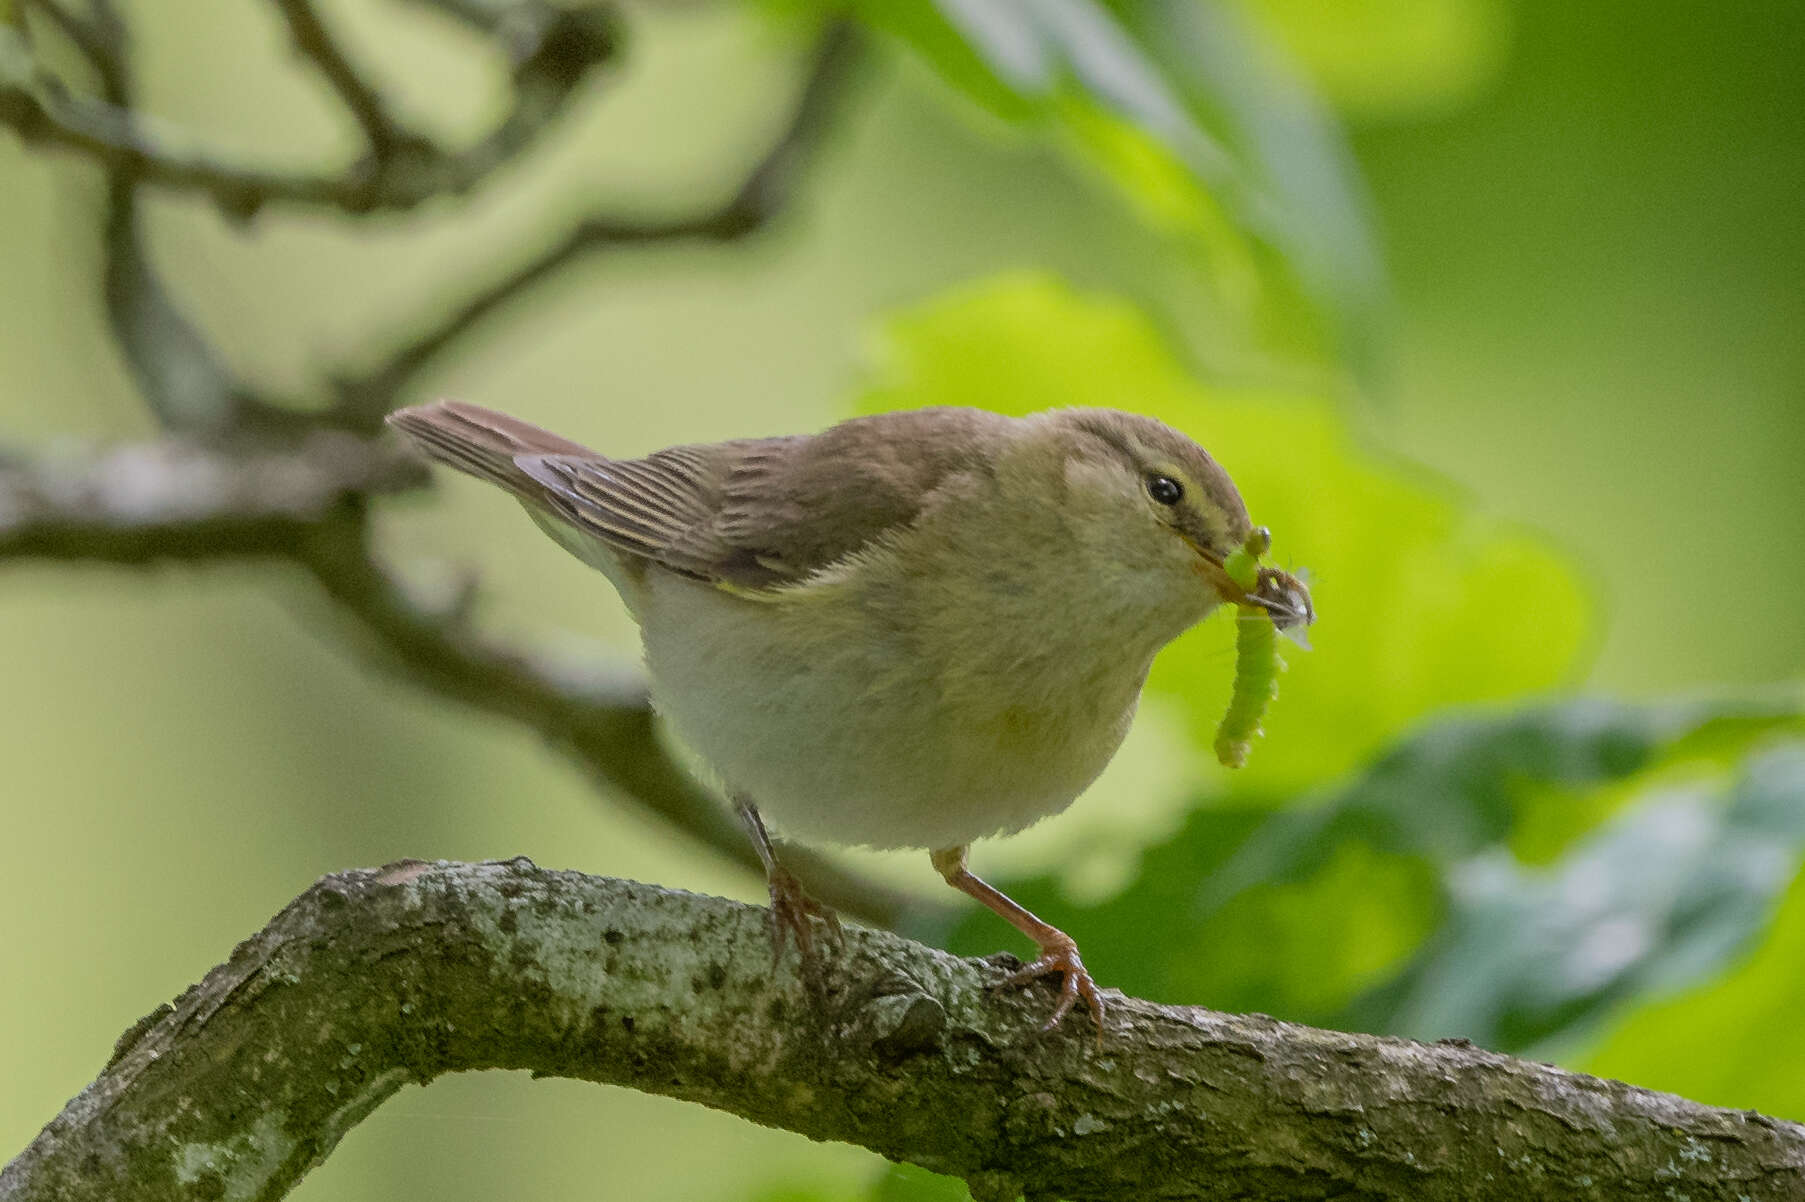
column 665, row 508
column 755, row 513
column 760, row 513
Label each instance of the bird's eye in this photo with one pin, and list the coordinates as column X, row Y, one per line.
column 1165, row 489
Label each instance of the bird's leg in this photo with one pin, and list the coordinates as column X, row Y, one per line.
column 1058, row 951
column 791, row 907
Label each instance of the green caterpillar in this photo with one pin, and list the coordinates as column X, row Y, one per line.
column 1243, row 565
column 1257, row 666
column 1257, row 662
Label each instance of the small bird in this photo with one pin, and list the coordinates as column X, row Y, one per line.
column 915, row 629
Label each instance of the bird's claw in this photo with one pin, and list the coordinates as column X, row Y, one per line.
column 793, row 914
column 1076, row 983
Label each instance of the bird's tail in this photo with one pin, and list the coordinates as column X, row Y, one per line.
column 484, row 444
column 493, row 446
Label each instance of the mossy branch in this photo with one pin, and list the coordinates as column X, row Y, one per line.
column 376, row 979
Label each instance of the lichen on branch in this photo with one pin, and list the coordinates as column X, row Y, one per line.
column 379, row 978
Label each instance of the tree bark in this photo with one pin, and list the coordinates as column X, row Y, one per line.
column 377, row 978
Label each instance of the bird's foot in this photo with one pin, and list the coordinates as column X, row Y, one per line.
column 1059, row 954
column 793, row 915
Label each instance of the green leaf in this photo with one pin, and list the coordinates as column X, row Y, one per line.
column 1422, row 603
column 1235, row 79
column 1735, row 1042
column 1664, row 895
column 1472, row 783
column 1394, row 58
column 1188, row 112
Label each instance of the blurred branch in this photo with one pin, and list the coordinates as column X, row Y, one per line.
column 385, row 135
column 176, row 369
column 300, row 497
column 376, row 979
column 552, row 51
column 762, row 194
column 178, row 500
column 96, row 36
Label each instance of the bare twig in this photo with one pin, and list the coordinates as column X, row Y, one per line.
column 366, row 397
column 96, row 36
column 180, row 500
column 552, row 49
column 139, row 505
column 600, row 718
column 176, row 369
column 385, row 135
column 375, row 979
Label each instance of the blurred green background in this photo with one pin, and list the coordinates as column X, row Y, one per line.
column 1554, row 445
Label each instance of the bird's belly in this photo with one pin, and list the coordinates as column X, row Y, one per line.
column 842, row 738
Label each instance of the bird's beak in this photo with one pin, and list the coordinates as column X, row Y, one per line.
column 1209, row 566
column 1287, row 599
column 1278, row 592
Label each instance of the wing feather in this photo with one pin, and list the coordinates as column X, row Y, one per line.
column 753, row 514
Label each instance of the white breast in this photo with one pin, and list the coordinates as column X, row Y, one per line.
column 848, row 738
column 918, row 700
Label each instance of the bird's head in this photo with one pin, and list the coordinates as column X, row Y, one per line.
column 1163, row 516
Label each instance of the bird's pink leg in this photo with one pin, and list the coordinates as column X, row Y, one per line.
column 1058, row 951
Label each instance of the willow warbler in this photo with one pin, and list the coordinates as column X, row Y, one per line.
column 912, row 630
